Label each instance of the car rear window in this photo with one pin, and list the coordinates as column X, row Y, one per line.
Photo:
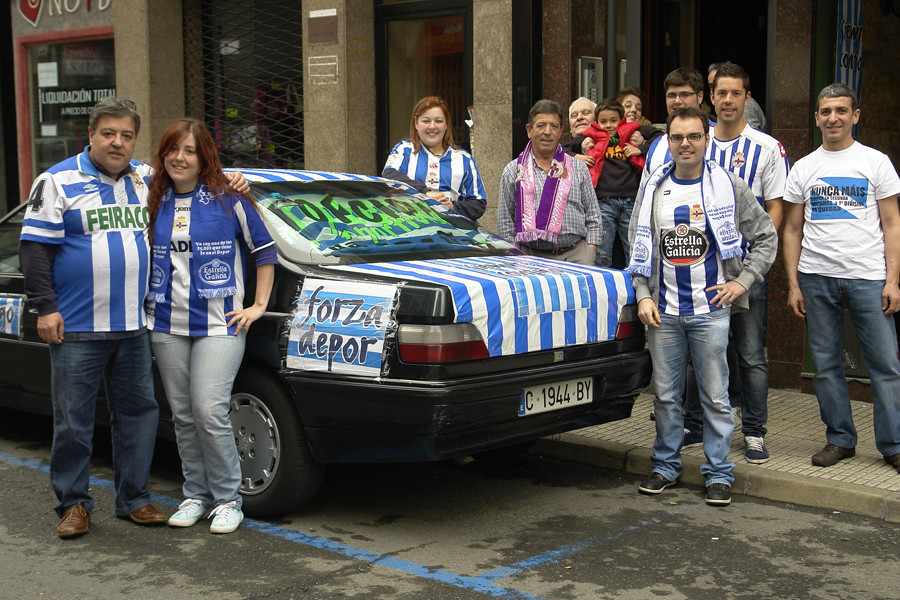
column 340, row 221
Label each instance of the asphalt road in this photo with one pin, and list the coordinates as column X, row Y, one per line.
column 519, row 527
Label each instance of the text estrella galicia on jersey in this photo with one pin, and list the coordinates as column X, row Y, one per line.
column 683, row 246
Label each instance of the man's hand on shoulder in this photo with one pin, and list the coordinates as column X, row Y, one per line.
column 238, row 183
column 648, row 313
column 890, row 298
column 51, row 328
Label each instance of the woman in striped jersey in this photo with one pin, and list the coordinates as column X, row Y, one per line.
column 201, row 233
column 433, row 165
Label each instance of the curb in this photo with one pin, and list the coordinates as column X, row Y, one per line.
column 749, row 480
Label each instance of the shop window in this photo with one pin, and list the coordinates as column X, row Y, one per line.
column 66, row 80
column 244, row 78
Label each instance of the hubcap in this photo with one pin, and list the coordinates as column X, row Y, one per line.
column 257, row 440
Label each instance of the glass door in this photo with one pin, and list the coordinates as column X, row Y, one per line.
column 424, row 49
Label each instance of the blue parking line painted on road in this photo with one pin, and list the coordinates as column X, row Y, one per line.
column 484, row 583
column 475, row 584
column 567, row 550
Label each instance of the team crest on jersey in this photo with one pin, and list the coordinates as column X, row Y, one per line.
column 697, row 213
column 215, row 272
column 432, row 180
column 136, row 180
column 683, row 246
column 181, row 223
column 738, row 160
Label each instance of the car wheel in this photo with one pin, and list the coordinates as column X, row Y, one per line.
column 278, row 472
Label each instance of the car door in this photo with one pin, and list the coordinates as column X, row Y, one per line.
column 25, row 370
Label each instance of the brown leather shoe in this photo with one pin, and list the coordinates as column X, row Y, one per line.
column 893, row 460
column 831, row 455
column 74, row 521
column 147, row 515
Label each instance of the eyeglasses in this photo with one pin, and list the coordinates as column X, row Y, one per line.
column 113, row 101
column 677, row 138
column 682, row 95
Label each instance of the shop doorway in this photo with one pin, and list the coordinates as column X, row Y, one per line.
column 422, row 49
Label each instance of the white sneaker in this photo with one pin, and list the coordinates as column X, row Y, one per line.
column 736, row 414
column 189, row 512
column 226, row 518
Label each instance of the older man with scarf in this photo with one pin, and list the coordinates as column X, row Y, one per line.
column 686, row 231
column 546, row 204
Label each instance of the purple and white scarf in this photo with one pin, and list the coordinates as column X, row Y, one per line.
column 544, row 221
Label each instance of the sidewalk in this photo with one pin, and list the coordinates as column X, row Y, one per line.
column 863, row 485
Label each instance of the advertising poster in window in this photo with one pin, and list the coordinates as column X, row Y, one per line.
column 67, row 80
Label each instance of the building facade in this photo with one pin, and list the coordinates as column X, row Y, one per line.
column 329, row 84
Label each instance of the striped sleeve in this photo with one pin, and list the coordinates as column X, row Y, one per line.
column 44, row 217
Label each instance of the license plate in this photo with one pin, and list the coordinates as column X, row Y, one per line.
column 556, row 396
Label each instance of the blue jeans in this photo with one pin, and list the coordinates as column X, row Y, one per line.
column 615, row 215
column 76, row 369
column 825, row 298
column 705, row 337
column 748, row 341
column 198, row 374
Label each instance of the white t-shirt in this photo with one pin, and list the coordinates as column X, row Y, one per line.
column 842, row 235
column 689, row 260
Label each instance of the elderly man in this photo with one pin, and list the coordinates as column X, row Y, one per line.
column 581, row 115
column 842, row 248
column 688, row 274
column 546, row 204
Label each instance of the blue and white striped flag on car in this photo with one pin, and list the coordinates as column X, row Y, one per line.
column 522, row 303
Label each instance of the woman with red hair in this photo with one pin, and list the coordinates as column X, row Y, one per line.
column 433, row 165
column 201, row 233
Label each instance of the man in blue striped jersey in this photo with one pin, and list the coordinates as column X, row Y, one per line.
column 85, row 257
column 683, row 88
column 760, row 161
column 689, row 274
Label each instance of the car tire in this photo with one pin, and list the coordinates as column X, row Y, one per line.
column 278, row 472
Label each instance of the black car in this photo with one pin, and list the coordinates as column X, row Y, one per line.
column 397, row 331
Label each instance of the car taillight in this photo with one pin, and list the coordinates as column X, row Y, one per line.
column 629, row 324
column 440, row 343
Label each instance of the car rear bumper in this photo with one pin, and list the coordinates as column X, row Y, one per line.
column 400, row 421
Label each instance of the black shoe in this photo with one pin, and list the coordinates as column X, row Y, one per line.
column 830, row 455
column 718, row 494
column 893, row 460
column 692, row 437
column 655, row 484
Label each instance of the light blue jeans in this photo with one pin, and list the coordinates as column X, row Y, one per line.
column 198, row 374
column 705, row 337
column 825, row 298
column 615, row 215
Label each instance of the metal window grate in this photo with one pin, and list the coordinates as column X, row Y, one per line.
column 244, row 78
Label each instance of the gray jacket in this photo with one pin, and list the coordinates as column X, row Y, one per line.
column 752, row 223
